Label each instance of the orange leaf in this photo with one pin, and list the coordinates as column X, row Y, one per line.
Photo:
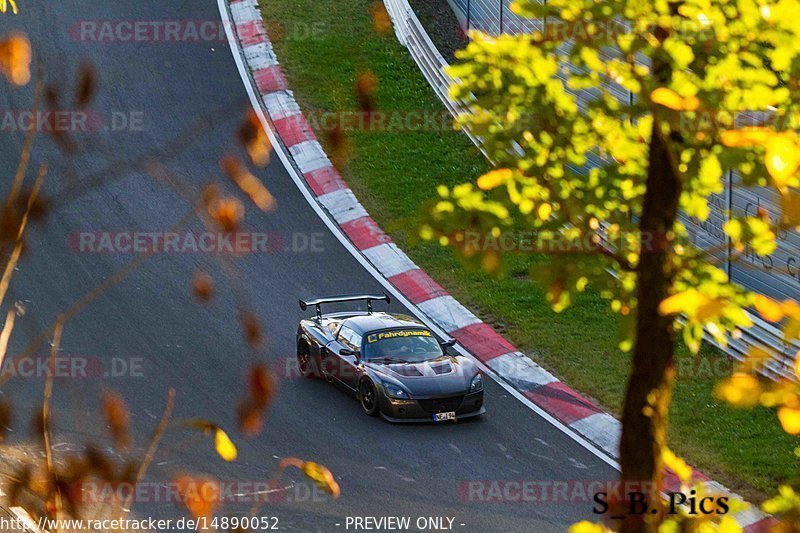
column 227, row 213
column 768, row 308
column 791, row 309
column 751, row 136
column 117, row 418
column 15, row 59
column 200, row 495
column 260, row 385
column 494, row 178
column 248, row 183
column 252, row 329
column 255, row 140
column 203, row 286
column 381, row 22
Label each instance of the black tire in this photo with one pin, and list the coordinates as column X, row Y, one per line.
column 305, row 361
column 368, row 397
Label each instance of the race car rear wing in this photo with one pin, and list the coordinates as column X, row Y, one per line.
column 317, row 302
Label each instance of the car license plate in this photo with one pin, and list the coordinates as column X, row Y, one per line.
column 441, row 417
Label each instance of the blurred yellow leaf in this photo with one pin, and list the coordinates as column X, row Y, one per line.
column 322, row 477
column 677, row 465
column 782, row 158
column 222, row 443
column 739, row 390
column 791, row 309
column 672, row 100
column 756, row 357
column 678, row 303
column 696, row 305
column 797, row 364
column 709, row 309
column 224, row 446
column 588, row 527
column 791, row 330
column 490, row 262
column 790, row 208
column 786, row 500
column 728, row 524
column 4, row 6
column 790, row 419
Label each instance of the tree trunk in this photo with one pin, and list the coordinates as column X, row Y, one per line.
column 650, row 384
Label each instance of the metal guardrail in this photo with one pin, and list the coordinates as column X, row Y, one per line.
column 492, row 17
column 413, row 36
column 762, row 334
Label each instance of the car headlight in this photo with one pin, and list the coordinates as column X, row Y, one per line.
column 393, row 391
column 476, row 384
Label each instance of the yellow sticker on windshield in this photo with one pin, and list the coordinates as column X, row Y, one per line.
column 375, row 337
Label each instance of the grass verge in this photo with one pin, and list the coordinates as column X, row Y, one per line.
column 393, row 172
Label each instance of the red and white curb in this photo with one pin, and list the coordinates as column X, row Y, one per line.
column 481, row 340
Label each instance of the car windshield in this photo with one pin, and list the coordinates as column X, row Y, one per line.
column 402, row 346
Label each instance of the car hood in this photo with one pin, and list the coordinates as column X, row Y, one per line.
column 444, row 376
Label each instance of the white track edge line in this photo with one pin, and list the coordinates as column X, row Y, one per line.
column 337, row 232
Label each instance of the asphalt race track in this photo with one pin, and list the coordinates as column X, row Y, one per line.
column 148, row 333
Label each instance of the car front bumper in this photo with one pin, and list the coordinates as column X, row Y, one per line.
column 423, row 409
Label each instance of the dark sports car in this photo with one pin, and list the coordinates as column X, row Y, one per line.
column 392, row 363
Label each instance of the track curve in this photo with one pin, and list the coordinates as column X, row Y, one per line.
column 151, row 320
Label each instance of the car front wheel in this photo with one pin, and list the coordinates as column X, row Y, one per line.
column 369, row 397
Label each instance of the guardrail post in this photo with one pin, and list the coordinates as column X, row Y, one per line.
column 544, row 21
column 728, row 216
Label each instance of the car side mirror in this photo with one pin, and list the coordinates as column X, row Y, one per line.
column 449, row 343
column 348, row 351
